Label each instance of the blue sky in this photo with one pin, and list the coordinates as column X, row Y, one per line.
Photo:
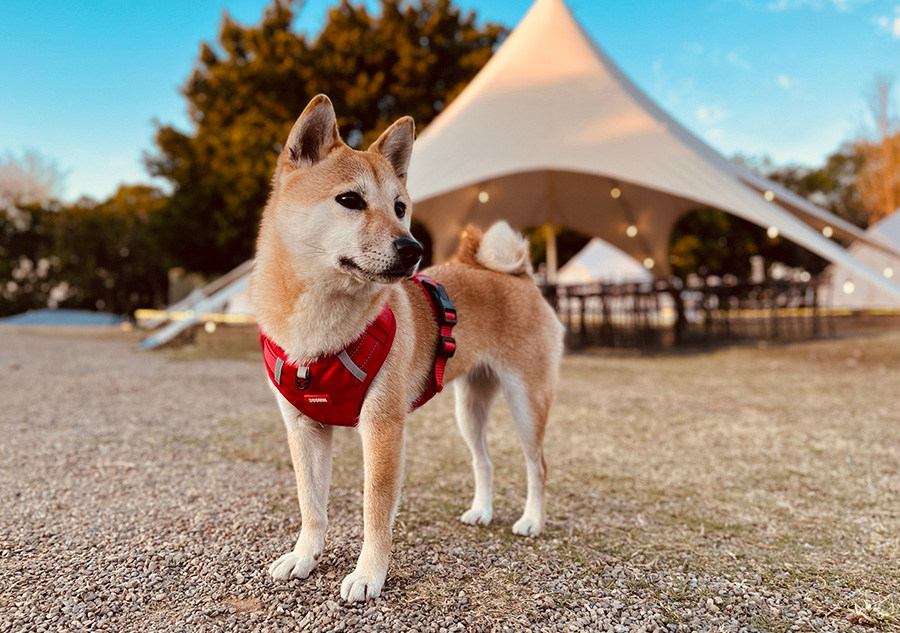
column 83, row 81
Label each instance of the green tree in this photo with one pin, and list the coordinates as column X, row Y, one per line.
column 27, row 264
column 833, row 186
column 712, row 242
column 29, row 185
column 89, row 255
column 106, row 255
column 247, row 89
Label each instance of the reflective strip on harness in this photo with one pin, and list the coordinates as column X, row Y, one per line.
column 347, row 362
column 279, row 365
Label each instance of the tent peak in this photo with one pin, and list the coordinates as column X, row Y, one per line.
column 551, row 100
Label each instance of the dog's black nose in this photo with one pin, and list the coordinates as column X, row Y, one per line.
column 409, row 251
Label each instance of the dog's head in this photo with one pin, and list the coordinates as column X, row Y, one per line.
column 343, row 213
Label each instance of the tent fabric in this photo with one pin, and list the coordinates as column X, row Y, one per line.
column 816, row 217
column 600, row 261
column 551, row 131
column 848, row 290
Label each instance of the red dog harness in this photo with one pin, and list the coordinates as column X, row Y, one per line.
column 331, row 390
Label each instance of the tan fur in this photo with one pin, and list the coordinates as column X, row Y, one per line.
column 468, row 245
column 311, row 304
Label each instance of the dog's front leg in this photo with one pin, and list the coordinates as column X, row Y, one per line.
column 382, row 441
column 310, row 445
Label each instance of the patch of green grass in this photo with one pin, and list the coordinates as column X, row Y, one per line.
column 770, row 624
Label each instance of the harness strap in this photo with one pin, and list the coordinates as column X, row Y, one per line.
column 445, row 314
column 331, row 389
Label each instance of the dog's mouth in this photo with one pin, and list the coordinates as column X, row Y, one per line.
column 382, row 276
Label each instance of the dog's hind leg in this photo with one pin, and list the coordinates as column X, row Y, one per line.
column 310, row 445
column 529, row 405
column 475, row 395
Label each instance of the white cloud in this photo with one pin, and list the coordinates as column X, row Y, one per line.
column 672, row 99
column 693, row 48
column 710, row 114
column 715, row 135
column 785, row 82
column 676, row 96
column 889, row 24
column 783, row 5
column 734, row 59
column 817, row 5
column 694, row 51
column 846, row 5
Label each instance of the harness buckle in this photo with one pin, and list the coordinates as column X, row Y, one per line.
column 444, row 309
column 446, row 347
column 449, row 315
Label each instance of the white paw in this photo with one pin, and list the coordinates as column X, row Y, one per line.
column 292, row 566
column 359, row 587
column 477, row 516
column 528, row 526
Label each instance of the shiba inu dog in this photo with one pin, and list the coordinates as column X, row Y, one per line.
column 334, row 247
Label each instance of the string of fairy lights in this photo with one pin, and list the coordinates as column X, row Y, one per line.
column 631, row 230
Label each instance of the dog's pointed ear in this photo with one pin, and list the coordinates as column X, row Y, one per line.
column 314, row 134
column 396, row 144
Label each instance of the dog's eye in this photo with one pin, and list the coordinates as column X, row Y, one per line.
column 400, row 208
column 351, row 200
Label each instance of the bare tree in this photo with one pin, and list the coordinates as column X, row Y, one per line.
column 878, row 180
column 31, row 179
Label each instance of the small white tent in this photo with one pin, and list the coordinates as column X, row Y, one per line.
column 600, row 261
column 849, row 290
column 552, row 132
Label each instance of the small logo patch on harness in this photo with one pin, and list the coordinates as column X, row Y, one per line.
column 317, row 399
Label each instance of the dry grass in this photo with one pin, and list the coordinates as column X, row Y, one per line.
column 228, row 341
column 678, row 477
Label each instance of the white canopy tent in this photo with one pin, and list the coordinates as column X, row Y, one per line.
column 850, row 291
column 600, row 261
column 552, row 132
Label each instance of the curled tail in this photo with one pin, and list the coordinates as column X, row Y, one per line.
column 501, row 249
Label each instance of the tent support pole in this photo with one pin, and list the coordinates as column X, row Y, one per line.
column 550, row 234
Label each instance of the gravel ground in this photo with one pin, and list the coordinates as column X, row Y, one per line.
column 736, row 490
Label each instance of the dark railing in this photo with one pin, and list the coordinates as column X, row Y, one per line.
column 668, row 313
